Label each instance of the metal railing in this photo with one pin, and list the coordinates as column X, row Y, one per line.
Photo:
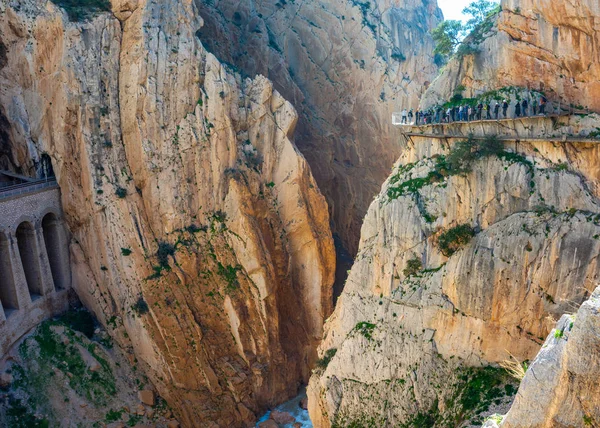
column 25, row 188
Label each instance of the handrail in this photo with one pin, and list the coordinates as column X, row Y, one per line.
column 563, row 139
column 24, row 188
column 500, row 119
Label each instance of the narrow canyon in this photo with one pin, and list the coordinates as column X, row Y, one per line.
column 299, row 213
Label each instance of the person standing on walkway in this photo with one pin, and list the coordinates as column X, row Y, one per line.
column 525, row 108
column 497, row 110
column 410, row 117
column 480, row 111
column 404, row 116
column 543, row 102
column 518, row 109
column 534, row 105
column 488, row 111
column 504, row 108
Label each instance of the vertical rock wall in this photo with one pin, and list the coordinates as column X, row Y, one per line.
column 561, row 387
column 199, row 235
column 345, row 66
column 402, row 343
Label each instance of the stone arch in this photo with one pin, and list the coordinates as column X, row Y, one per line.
column 25, row 218
column 55, row 249
column 8, row 289
column 30, row 259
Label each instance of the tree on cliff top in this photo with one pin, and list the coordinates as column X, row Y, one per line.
column 479, row 11
column 449, row 35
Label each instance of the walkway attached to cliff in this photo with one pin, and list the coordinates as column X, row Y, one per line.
column 528, row 128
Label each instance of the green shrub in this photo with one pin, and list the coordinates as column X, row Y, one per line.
column 113, row 415
column 229, row 273
column 322, row 363
column 465, row 153
column 365, row 329
column 121, row 192
column 452, row 240
column 140, row 307
column 126, row 251
column 164, row 251
column 413, row 267
column 82, row 10
column 458, row 162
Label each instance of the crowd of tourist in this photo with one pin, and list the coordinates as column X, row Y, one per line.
column 480, row 111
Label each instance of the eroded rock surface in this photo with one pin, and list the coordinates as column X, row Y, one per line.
column 561, row 386
column 199, row 235
column 398, row 344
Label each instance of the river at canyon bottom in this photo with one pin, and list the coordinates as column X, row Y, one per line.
column 292, row 407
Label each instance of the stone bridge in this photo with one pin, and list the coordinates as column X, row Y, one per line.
column 35, row 275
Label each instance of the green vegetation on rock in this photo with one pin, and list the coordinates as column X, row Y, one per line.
column 413, row 267
column 365, row 329
column 452, row 240
column 323, row 362
column 459, row 161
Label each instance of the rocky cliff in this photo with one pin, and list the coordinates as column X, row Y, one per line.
column 561, row 386
column 547, row 46
column 345, row 66
column 479, row 241
column 199, row 235
column 469, row 255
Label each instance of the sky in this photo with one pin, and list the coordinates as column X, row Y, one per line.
column 453, row 8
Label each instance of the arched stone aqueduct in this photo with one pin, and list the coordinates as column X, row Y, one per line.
column 35, row 274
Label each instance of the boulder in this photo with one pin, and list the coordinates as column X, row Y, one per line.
column 304, row 403
column 282, row 417
column 147, row 397
column 5, row 380
column 270, row 423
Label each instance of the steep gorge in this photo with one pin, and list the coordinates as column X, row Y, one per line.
column 202, row 242
column 199, row 236
column 345, row 66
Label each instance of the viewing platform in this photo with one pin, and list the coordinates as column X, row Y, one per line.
column 35, row 276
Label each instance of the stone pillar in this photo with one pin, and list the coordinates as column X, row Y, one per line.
column 55, row 239
column 23, row 296
column 8, row 293
column 64, row 255
column 44, row 263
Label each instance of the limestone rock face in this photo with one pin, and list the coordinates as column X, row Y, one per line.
column 550, row 46
column 561, row 386
column 200, row 237
column 399, row 341
column 345, row 66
